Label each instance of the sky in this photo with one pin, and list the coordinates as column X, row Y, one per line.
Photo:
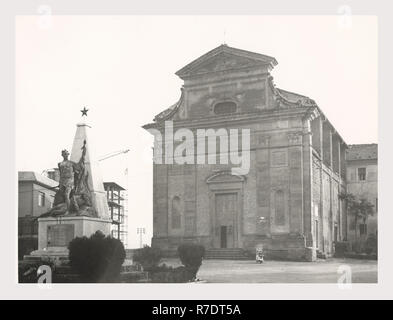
column 122, row 69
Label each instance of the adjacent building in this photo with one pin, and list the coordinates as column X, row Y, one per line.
column 35, row 196
column 362, row 182
column 288, row 201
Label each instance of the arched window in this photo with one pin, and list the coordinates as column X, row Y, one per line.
column 225, row 107
column 176, row 213
column 279, row 204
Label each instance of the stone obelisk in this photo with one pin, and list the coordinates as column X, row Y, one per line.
column 94, row 178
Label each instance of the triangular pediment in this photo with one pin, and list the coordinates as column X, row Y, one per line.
column 225, row 58
column 224, row 176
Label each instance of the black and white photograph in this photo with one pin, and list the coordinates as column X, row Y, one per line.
column 247, row 182
column 196, row 150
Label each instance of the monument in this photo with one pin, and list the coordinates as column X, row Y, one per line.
column 80, row 206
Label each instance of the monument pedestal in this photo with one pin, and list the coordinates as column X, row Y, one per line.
column 57, row 232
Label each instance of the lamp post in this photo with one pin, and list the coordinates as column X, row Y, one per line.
column 140, row 231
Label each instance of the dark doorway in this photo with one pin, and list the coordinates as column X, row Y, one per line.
column 226, row 205
column 223, row 236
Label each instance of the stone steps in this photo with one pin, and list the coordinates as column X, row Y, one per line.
column 31, row 258
column 58, row 260
column 226, row 254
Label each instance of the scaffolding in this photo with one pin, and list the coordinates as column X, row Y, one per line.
column 118, row 208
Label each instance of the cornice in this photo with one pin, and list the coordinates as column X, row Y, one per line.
column 240, row 118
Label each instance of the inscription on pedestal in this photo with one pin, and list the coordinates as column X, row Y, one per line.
column 60, row 235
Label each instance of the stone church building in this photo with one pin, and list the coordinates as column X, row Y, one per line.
column 288, row 201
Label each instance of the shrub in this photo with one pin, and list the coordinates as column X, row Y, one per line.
column 357, row 246
column 148, row 257
column 97, row 258
column 340, row 248
column 168, row 274
column 191, row 256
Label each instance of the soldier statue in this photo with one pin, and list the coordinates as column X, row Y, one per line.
column 73, row 195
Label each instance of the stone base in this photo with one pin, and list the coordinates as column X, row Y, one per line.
column 55, row 233
column 169, row 245
column 290, row 247
column 56, row 255
column 311, row 254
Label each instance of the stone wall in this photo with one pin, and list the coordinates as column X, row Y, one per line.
column 276, row 165
column 367, row 189
column 280, row 154
column 327, row 206
column 160, row 200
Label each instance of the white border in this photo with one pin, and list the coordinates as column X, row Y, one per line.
column 8, row 275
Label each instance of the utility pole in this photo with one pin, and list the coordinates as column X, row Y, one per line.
column 140, row 231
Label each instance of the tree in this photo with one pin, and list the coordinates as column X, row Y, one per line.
column 360, row 209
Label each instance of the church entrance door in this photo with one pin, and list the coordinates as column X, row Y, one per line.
column 226, row 214
column 223, row 236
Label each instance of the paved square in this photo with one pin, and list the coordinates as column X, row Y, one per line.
column 321, row 271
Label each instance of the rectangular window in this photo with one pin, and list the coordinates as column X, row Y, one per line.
column 362, row 174
column 363, row 229
column 41, row 199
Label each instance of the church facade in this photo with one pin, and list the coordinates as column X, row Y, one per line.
column 288, row 201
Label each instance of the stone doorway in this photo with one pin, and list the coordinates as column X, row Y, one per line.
column 226, row 205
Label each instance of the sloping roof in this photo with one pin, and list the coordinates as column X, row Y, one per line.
column 292, row 98
column 362, row 151
column 291, row 95
column 167, row 113
column 227, row 49
column 284, row 99
column 31, row 176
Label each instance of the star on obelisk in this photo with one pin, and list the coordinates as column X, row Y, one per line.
column 84, row 111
